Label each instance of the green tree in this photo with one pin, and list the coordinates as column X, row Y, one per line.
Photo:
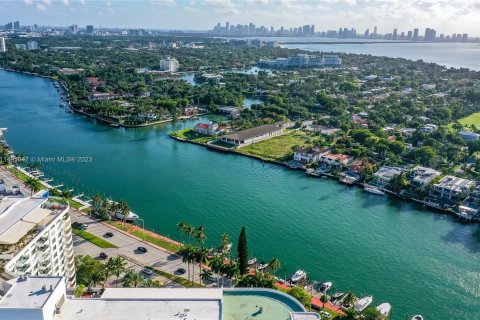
column 33, row 184
column 301, row 295
column 132, row 279
column 118, row 266
column 242, row 252
column 274, row 265
column 398, row 183
column 372, row 313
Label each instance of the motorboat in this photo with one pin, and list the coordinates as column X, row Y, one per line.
column 299, row 275
column 324, row 287
column 129, row 217
column 252, row 261
column 384, row 309
column 262, row 266
column 338, row 295
column 363, row 303
column 417, row 317
column 373, row 190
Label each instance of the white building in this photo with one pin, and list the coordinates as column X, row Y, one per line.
column 332, row 60
column 21, row 46
column 170, row 64
column 383, row 176
column 45, row 298
column 336, row 160
column 309, row 155
column 3, row 47
column 36, row 238
column 422, row 176
column 32, row 45
column 252, row 135
column 451, row 187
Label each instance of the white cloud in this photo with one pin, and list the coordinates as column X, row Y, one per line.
column 41, row 7
column 66, row 2
column 28, row 2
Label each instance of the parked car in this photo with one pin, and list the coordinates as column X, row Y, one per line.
column 180, row 271
column 142, row 249
column 103, row 255
column 147, row 271
column 79, row 226
column 325, row 314
column 108, row 235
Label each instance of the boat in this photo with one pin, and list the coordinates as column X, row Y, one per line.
column 417, row 317
column 129, row 217
column 324, row 287
column 338, row 295
column 115, row 125
column 384, row 309
column 299, row 275
column 262, row 266
column 252, row 261
column 373, row 190
column 363, row 303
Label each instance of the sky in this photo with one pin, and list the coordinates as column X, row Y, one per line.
column 446, row 16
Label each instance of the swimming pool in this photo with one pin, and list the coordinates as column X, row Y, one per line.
column 258, row 304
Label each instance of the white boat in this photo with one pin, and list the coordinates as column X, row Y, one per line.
column 384, row 309
column 299, row 275
column 130, row 216
column 262, row 266
column 417, row 317
column 373, row 190
column 252, row 261
column 324, row 287
column 363, row 303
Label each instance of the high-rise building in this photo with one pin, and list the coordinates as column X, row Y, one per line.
column 170, row 64
column 464, row 37
column 415, row 34
column 409, row 35
column 73, row 28
column 90, row 29
column 36, row 237
column 375, row 31
column 16, row 25
column 367, row 33
column 32, row 45
column 9, row 26
column 394, row 34
column 3, row 47
column 430, row 34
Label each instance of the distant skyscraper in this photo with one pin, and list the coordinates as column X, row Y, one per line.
column 430, row 34
column 464, row 37
column 227, row 26
column 90, row 29
column 409, row 35
column 16, row 25
column 375, row 31
column 394, row 35
column 9, row 26
column 3, row 48
column 415, row 34
column 367, row 33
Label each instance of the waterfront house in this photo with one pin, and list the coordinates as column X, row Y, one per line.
column 383, row 176
column 252, row 135
column 453, row 188
column 429, row 128
column 209, row 129
column 358, row 166
column 469, row 136
column 336, row 160
column 422, row 176
column 102, row 96
column 310, row 155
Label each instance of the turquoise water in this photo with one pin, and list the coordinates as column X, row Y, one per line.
column 419, row 261
column 245, row 304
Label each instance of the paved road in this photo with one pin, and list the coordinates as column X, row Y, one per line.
column 127, row 248
column 10, row 180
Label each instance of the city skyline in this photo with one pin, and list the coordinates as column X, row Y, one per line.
column 444, row 16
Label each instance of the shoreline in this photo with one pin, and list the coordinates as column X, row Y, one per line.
column 400, row 197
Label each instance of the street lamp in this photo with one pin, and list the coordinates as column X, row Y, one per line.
column 143, row 227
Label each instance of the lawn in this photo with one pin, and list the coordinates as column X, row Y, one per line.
column 93, row 239
column 149, row 238
column 74, row 204
column 189, row 134
column 181, row 281
column 277, row 148
column 17, row 173
column 474, row 118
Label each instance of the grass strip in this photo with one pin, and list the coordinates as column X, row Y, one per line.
column 179, row 280
column 147, row 236
column 17, row 173
column 93, row 239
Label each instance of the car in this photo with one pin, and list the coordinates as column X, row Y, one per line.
column 147, row 271
column 142, row 249
column 108, row 235
column 325, row 314
column 180, row 271
column 103, row 255
column 79, row 226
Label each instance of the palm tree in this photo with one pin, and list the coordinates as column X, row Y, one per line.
column 151, row 283
column 119, row 266
column 189, row 230
column 132, row 278
column 206, row 275
column 188, row 256
column 201, row 258
column 200, row 234
column 97, row 202
column 108, row 268
column 224, row 242
column 182, row 228
column 123, row 208
column 274, row 265
column 33, row 184
column 216, row 265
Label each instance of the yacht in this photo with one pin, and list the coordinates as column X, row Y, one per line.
column 129, row 217
column 252, row 261
column 299, row 275
column 324, row 287
column 363, row 303
column 262, row 266
column 338, row 295
column 373, row 190
column 384, row 309
column 417, row 317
